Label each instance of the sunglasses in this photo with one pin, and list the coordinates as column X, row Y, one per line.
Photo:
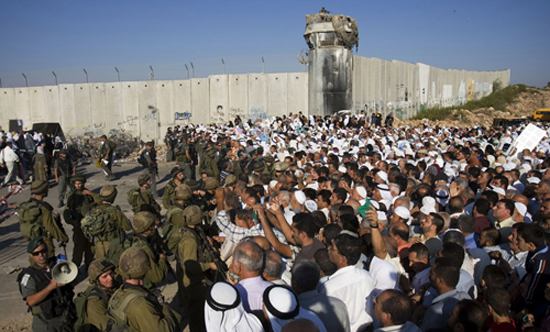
column 43, row 252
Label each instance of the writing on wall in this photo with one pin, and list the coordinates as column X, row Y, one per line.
column 185, row 116
column 257, row 114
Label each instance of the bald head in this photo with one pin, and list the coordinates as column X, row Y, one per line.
column 262, row 242
column 522, row 199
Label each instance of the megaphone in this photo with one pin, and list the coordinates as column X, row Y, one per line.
column 64, row 272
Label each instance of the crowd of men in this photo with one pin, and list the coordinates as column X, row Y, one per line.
column 307, row 224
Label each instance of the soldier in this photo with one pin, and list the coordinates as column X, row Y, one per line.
column 79, row 202
column 169, row 141
column 140, row 199
column 144, row 225
column 134, row 306
column 96, row 297
column 184, row 158
column 208, row 164
column 49, row 302
column 107, row 156
column 105, row 222
column 36, row 218
column 168, row 196
column 150, row 156
column 195, row 263
column 257, row 166
column 64, row 169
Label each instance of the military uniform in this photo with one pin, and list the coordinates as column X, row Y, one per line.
column 169, row 141
column 144, row 197
column 184, row 162
column 96, row 307
column 209, row 165
column 195, row 263
column 144, row 313
column 78, row 205
column 101, row 244
column 56, row 313
column 151, row 155
column 168, row 196
column 106, row 153
column 49, row 225
column 134, row 306
column 63, row 170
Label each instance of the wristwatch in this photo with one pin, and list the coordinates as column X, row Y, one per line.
column 371, row 226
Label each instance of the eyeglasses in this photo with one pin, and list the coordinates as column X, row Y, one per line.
column 43, row 252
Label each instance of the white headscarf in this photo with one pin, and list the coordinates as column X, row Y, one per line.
column 224, row 312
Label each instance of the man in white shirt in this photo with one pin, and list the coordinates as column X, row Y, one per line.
column 10, row 160
column 352, row 285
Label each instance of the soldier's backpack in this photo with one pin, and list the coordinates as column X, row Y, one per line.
column 117, row 247
column 173, row 233
column 98, row 225
column 133, row 196
column 142, row 160
column 31, row 227
column 82, row 324
column 117, row 309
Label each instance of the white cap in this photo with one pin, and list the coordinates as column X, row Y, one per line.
column 428, row 200
column 310, row 205
column 427, row 209
column 522, row 209
column 402, row 212
column 383, row 175
column 499, row 191
column 533, row 180
column 361, row 191
column 300, row 197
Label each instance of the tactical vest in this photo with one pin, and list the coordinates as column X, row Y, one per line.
column 56, row 302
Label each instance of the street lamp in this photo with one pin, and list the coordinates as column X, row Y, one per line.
column 26, row 82
column 85, row 72
column 263, row 66
column 192, row 69
column 117, row 74
column 152, row 75
column 223, row 66
column 54, row 75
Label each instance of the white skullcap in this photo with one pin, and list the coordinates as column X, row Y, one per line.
column 402, row 212
column 310, row 205
column 383, row 175
column 428, row 200
column 273, row 183
column 381, row 215
column 427, row 209
column 342, row 169
column 499, row 191
column 522, row 209
column 222, row 296
column 300, row 197
column 361, row 191
column 533, row 180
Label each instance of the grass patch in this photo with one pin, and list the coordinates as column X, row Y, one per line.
column 499, row 100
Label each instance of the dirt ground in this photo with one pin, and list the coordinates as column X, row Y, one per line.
column 525, row 105
column 13, row 256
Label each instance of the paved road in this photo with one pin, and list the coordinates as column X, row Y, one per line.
column 13, row 247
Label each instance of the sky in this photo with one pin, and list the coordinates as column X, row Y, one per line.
column 67, row 36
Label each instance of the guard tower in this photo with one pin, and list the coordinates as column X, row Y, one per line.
column 330, row 39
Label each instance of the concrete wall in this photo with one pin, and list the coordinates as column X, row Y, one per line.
column 147, row 108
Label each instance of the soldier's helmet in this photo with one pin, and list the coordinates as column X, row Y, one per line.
column 143, row 221
column 97, row 268
column 192, row 215
column 134, row 263
column 183, row 192
column 211, row 183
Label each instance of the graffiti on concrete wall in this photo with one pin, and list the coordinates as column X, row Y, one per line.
column 185, row 116
column 217, row 115
column 235, row 111
column 257, row 114
column 131, row 120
